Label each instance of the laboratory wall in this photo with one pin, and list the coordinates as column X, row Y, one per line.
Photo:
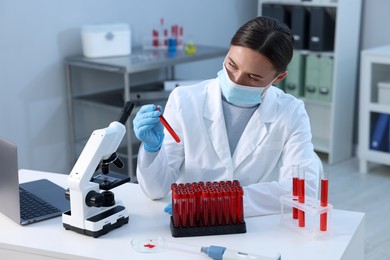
column 36, row 36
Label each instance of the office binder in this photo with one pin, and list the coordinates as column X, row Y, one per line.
column 312, row 76
column 380, row 133
column 267, row 10
column 300, row 26
column 294, row 80
column 279, row 12
column 325, row 84
column 322, row 29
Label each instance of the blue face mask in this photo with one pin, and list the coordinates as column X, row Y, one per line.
column 237, row 94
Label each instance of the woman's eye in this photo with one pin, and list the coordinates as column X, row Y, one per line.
column 254, row 78
column 231, row 65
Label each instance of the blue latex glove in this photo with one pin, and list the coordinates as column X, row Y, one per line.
column 148, row 128
column 168, row 209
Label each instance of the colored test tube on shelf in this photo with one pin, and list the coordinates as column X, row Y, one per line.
column 301, row 197
column 240, row 205
column 226, row 204
column 219, row 206
column 184, row 208
column 236, row 183
column 295, row 173
column 176, row 197
column 229, row 183
column 191, row 208
column 233, row 205
column 213, row 207
column 205, row 206
column 324, row 200
column 198, row 194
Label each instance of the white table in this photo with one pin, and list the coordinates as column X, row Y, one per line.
column 49, row 240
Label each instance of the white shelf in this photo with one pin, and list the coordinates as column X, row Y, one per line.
column 332, row 122
column 374, row 67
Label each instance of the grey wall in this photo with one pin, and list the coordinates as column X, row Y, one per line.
column 375, row 23
column 35, row 36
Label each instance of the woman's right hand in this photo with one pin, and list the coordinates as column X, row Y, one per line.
column 148, row 128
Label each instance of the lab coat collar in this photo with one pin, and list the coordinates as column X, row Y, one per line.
column 257, row 128
column 215, row 124
column 253, row 134
column 268, row 107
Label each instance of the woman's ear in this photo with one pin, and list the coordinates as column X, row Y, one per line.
column 280, row 77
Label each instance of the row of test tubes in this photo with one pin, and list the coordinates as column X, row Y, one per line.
column 298, row 192
column 202, row 204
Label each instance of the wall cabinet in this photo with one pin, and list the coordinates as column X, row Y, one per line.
column 374, row 111
column 328, row 55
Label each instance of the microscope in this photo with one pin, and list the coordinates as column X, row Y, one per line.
column 94, row 211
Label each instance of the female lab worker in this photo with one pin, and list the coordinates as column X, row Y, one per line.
column 236, row 126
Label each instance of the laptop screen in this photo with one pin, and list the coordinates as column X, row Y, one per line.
column 9, row 184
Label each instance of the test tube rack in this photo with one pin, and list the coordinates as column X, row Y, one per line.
column 313, row 210
column 211, row 208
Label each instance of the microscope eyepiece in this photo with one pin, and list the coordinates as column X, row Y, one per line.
column 126, row 112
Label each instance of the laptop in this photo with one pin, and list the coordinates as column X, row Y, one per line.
column 28, row 202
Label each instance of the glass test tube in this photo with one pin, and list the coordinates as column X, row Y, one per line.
column 233, row 205
column 226, row 202
column 295, row 175
column 184, row 208
column 198, row 205
column 219, row 206
column 191, row 208
column 301, row 197
column 240, row 205
column 176, row 207
column 213, row 207
column 324, row 200
column 205, row 206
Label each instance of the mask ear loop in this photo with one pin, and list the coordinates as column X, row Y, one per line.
column 270, row 84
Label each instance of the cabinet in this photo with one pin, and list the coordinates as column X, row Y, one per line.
column 374, row 107
column 331, row 117
column 97, row 89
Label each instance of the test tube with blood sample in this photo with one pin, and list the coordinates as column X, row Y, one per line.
column 295, row 172
column 219, row 206
column 198, row 205
column 191, row 208
column 205, row 206
column 176, row 207
column 226, row 204
column 301, row 197
column 240, row 205
column 184, row 208
column 233, row 205
column 213, row 207
column 324, row 200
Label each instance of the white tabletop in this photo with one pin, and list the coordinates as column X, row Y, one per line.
column 48, row 239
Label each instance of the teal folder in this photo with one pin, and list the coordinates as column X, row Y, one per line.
column 312, row 76
column 325, row 85
column 295, row 77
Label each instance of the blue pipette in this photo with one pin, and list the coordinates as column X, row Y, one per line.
column 222, row 253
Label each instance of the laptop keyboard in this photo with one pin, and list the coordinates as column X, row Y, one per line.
column 33, row 207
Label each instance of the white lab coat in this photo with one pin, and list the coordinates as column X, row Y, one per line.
column 277, row 136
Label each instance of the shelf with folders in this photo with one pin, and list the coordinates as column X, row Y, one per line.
column 323, row 70
column 374, row 108
column 310, row 78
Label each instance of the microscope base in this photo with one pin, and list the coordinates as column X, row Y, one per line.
column 98, row 223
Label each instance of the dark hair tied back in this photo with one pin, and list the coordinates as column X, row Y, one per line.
column 268, row 36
